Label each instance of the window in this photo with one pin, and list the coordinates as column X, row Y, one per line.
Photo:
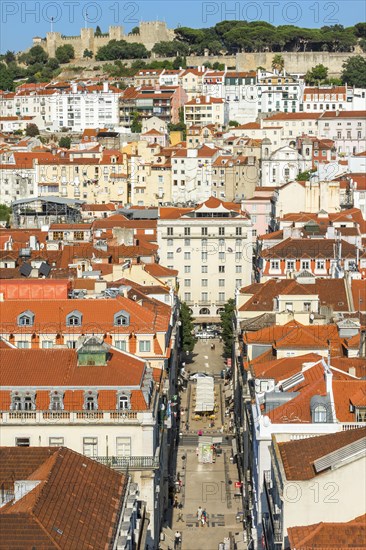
column 320, row 414
column 187, row 269
column 275, row 264
column 221, row 269
column 121, row 344
column 320, row 264
column 144, row 346
column 204, row 268
column 91, row 400
column 47, row 344
column 305, row 264
column 56, row 401
column 307, row 306
column 289, row 306
column 290, row 265
column 221, row 282
column 221, row 296
column 123, row 402
column 187, row 231
column 238, row 283
column 187, row 242
column 204, row 282
column 187, row 282
column 221, row 230
column 203, row 230
column 187, row 255
column 26, row 319
column 169, row 242
column 187, row 296
column 238, row 269
column 222, row 256
column 71, row 344
column 204, row 296
column 74, row 319
column 169, row 231
column 22, row 441
column 55, row 441
column 170, row 255
column 204, row 256
column 121, row 318
column 90, row 446
column 238, row 231
column 23, row 344
column 123, row 446
column 23, row 401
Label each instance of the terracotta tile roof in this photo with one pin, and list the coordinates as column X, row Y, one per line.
column 344, row 114
column 55, row 515
column 344, row 391
column 281, row 369
column 157, row 270
column 309, row 248
column 54, row 313
column 293, row 116
column 329, row 536
column 205, row 100
column 298, row 456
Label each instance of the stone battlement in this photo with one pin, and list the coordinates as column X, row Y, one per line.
column 150, row 33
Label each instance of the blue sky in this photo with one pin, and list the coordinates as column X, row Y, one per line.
column 21, row 20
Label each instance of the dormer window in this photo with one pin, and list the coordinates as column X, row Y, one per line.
column 25, row 319
column 74, row 319
column 121, row 318
column 56, row 401
column 23, row 401
column 91, row 400
column 123, row 401
column 320, row 414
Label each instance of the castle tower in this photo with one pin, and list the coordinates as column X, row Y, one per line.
column 54, row 40
column 115, row 32
column 87, row 40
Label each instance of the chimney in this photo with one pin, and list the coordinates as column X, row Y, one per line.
column 74, row 87
column 106, row 86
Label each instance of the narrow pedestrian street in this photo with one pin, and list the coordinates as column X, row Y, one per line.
column 210, row 486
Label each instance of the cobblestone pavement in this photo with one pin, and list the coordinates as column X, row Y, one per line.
column 210, row 486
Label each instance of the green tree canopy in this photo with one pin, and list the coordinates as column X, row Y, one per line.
column 171, row 49
column 98, row 31
column 316, row 75
column 5, row 212
column 32, row 130
column 186, row 319
column 136, row 125
column 65, row 142
column 88, row 54
column 120, row 49
column 354, row 71
column 227, row 327
column 65, row 53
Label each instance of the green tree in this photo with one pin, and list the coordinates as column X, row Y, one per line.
column 234, row 123
column 227, row 327
column 52, row 63
column 65, row 142
column 135, row 30
column 6, row 78
column 136, row 125
column 186, row 327
column 88, row 54
column 9, row 57
column 316, row 75
column 32, row 130
column 360, row 30
column 170, row 49
column 304, row 176
column 179, row 62
column 354, row 71
column 65, row 53
column 35, row 55
column 98, row 31
column 278, row 63
column 120, row 49
column 5, row 212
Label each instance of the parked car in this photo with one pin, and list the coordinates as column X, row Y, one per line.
column 197, row 375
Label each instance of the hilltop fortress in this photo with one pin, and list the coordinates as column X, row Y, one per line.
column 150, row 33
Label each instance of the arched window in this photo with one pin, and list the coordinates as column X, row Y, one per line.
column 17, row 404
column 266, row 151
column 204, row 311
column 91, row 400
column 320, row 414
column 28, row 402
column 307, row 151
column 90, row 404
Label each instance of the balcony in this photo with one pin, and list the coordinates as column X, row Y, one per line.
column 70, row 417
column 130, row 462
column 272, row 519
column 204, row 302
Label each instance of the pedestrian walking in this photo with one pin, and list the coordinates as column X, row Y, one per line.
column 175, row 505
column 199, row 512
column 177, row 539
column 180, row 517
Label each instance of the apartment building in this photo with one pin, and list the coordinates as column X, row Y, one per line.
column 234, row 177
column 285, row 163
column 191, row 81
column 211, row 247
column 95, row 400
column 334, row 465
column 203, row 110
column 279, row 93
column 346, row 128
